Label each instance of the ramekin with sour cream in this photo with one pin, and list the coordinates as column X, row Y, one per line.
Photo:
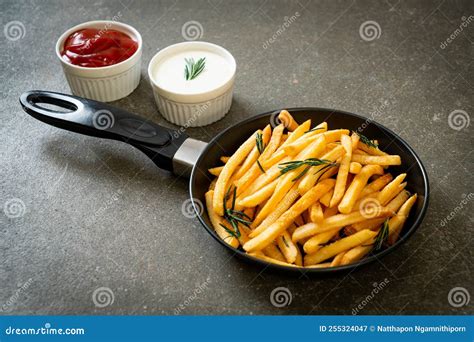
column 198, row 101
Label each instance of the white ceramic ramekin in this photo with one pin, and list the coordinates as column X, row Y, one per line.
column 196, row 109
column 107, row 83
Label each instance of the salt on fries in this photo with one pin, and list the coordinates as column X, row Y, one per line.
column 308, row 197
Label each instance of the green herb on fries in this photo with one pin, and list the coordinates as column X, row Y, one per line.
column 293, row 165
column 366, row 140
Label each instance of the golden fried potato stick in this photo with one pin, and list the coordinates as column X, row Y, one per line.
column 325, row 200
column 283, row 206
column 376, row 185
column 391, row 189
column 358, row 183
column 317, row 241
column 335, row 135
column 295, row 147
column 272, row 251
column 254, row 154
column 229, row 168
column 377, row 160
column 297, row 134
column 360, row 152
column 311, row 177
column 287, row 247
column 251, row 174
column 343, row 172
column 355, row 168
column 248, row 186
column 339, row 246
column 215, row 171
column 217, row 221
column 287, row 120
column 318, row 129
column 337, row 259
column 355, row 141
column 316, row 212
column 224, row 159
column 258, row 197
column 355, row 254
column 304, row 231
column 300, row 144
column 336, row 221
column 364, row 200
column 372, row 224
column 371, row 150
column 287, row 181
column 321, row 265
column 271, row 233
column 263, row 180
column 262, row 256
column 395, row 224
column 213, row 184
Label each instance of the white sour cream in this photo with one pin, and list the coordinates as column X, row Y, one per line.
column 169, row 74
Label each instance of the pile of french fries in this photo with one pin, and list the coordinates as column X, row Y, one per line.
column 308, row 197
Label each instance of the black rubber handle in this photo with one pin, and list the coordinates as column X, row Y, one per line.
column 102, row 120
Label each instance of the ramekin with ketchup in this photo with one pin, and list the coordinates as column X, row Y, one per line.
column 101, row 59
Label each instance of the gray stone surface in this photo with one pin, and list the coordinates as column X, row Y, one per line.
column 100, row 214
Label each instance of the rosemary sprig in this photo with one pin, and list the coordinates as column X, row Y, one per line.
column 260, row 148
column 193, row 69
column 366, row 140
column 234, row 217
column 293, row 165
column 382, row 236
column 259, row 142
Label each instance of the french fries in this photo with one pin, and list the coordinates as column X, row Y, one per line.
column 296, row 196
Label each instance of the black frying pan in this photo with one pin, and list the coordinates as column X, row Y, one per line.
column 176, row 152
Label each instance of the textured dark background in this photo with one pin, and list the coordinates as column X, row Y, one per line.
column 97, row 213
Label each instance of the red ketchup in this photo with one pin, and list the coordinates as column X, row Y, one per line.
column 93, row 48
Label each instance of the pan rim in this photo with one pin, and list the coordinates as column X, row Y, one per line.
column 299, row 269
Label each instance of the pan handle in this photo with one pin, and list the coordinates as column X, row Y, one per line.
column 102, row 120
